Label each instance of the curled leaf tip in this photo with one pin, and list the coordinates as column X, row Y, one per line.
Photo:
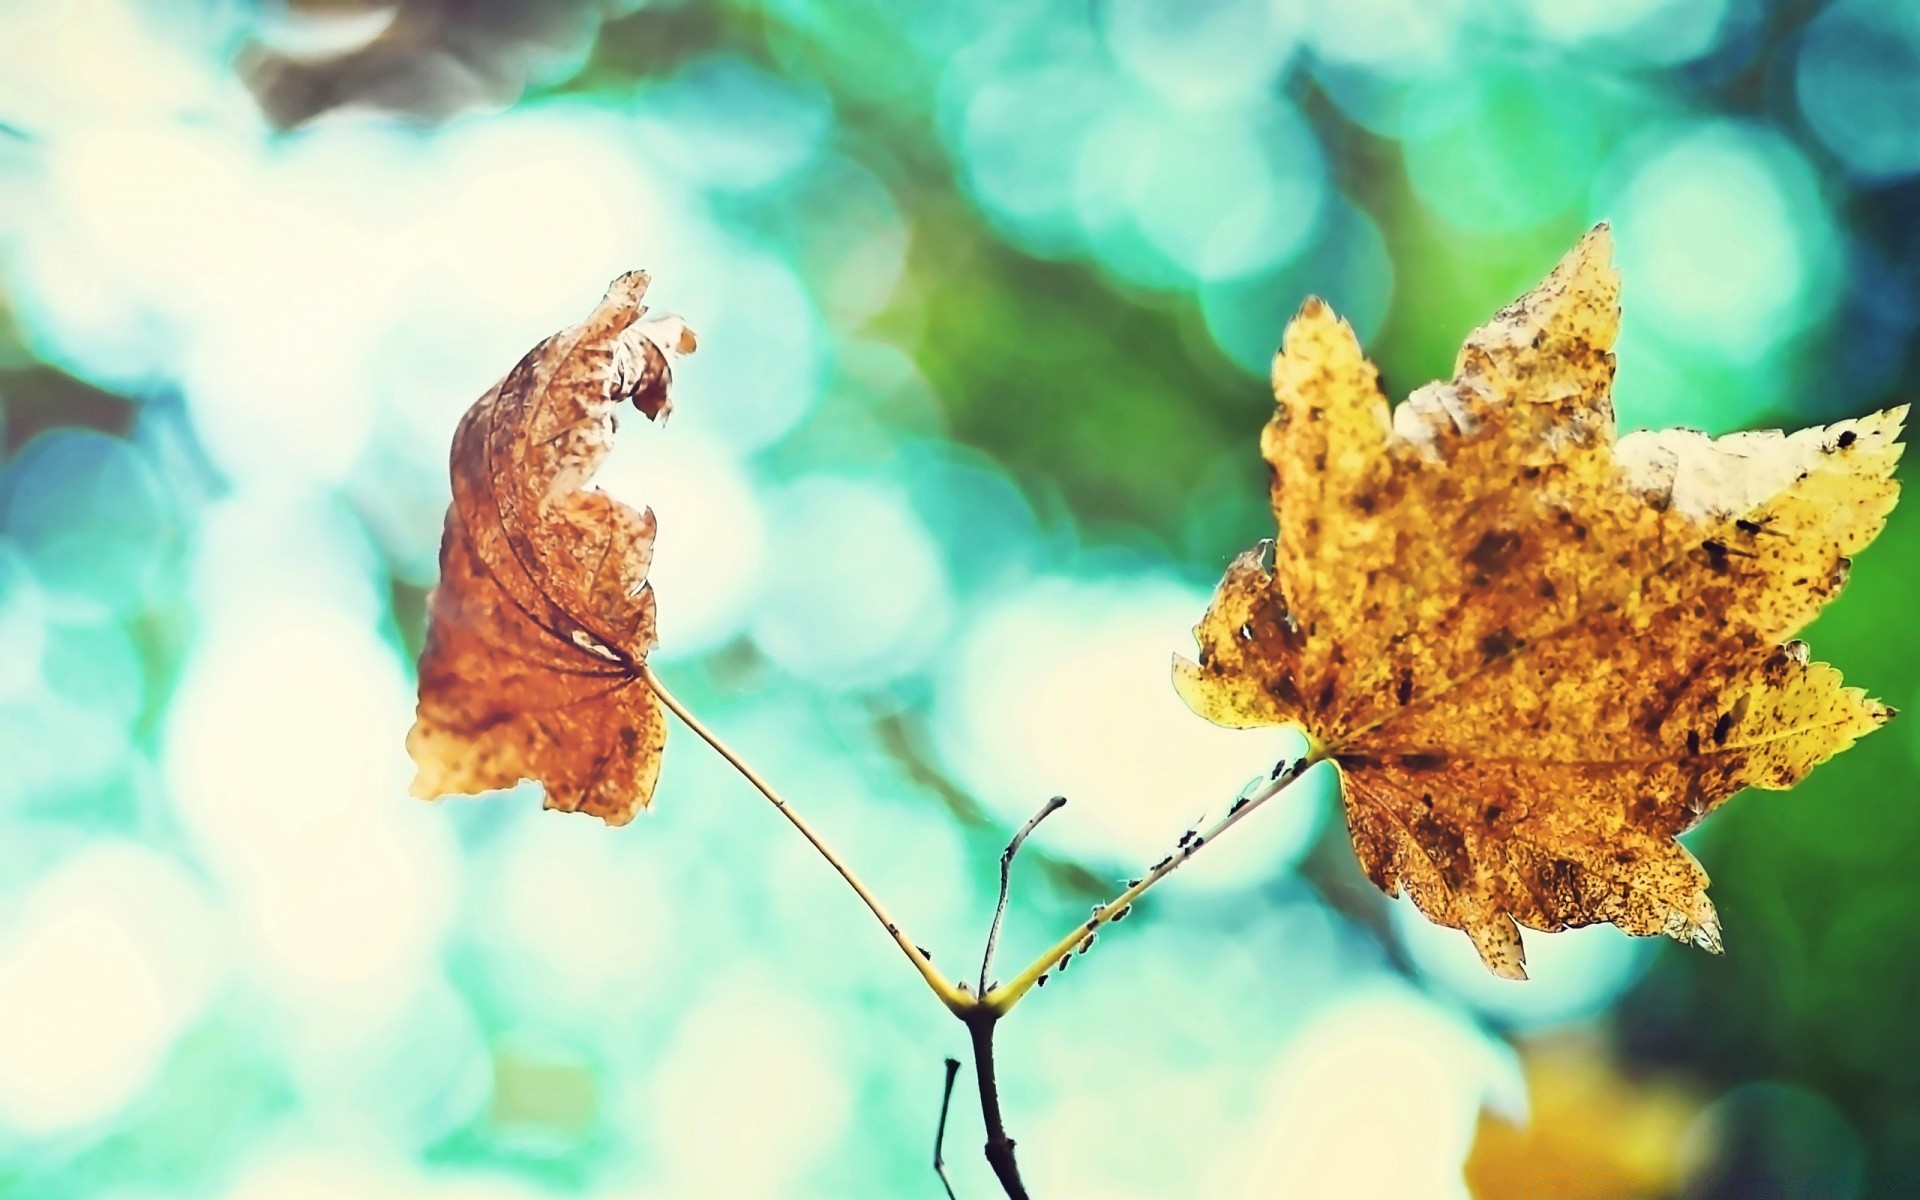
column 1500, row 948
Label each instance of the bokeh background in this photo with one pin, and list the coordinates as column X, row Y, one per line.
column 986, row 291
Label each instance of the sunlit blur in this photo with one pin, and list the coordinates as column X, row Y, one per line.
column 986, row 296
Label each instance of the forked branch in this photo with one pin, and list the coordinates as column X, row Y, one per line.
column 981, row 1010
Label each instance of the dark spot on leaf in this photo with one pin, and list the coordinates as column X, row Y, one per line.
column 1445, row 847
column 1497, row 644
column 1404, row 689
column 1693, row 741
column 1722, row 728
column 1285, row 691
column 1494, row 551
column 1561, row 879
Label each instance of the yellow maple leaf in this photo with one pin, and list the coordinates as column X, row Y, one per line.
column 1537, row 653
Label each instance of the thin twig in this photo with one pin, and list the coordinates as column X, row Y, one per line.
column 1002, row 998
column 940, row 1130
column 999, row 1145
column 958, row 999
column 1006, row 877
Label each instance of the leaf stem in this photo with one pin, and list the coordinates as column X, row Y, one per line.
column 957, row 999
column 1003, row 998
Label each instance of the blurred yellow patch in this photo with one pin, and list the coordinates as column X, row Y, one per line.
column 1592, row 1131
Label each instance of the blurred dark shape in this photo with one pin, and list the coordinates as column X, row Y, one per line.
column 433, row 59
column 34, row 399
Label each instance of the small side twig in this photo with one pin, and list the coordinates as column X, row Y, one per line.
column 1052, row 806
column 940, row 1130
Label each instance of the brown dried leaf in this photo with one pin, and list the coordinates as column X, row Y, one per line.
column 539, row 630
column 1537, row 653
